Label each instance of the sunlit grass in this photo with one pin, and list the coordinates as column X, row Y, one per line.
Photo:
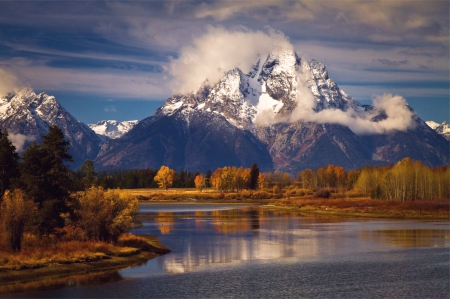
column 361, row 204
column 37, row 253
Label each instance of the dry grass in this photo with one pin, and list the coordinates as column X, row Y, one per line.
column 39, row 253
column 440, row 208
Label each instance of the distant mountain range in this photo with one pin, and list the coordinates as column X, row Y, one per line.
column 442, row 129
column 112, row 129
column 241, row 119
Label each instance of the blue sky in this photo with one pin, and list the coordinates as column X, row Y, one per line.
column 108, row 60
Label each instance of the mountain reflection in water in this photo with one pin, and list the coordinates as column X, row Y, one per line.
column 218, row 249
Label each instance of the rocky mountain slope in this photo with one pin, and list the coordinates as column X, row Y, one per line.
column 112, row 129
column 253, row 117
column 442, row 129
column 30, row 115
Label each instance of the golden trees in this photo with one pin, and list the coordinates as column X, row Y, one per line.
column 200, row 182
column 231, row 178
column 15, row 212
column 105, row 215
column 165, row 177
column 262, row 181
column 411, row 180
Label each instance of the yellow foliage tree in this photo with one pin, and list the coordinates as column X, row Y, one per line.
column 165, row 177
column 200, row 182
column 105, row 215
column 15, row 212
column 262, row 181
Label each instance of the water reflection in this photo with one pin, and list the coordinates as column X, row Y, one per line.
column 206, row 238
column 213, row 238
column 408, row 238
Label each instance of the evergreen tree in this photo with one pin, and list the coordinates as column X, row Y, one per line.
column 9, row 163
column 46, row 179
column 254, row 173
column 88, row 172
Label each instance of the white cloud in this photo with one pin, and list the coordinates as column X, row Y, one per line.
column 398, row 116
column 8, row 82
column 221, row 50
column 110, row 108
column 101, row 81
column 19, row 140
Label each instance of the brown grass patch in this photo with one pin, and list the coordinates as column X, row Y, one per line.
column 38, row 253
column 439, row 208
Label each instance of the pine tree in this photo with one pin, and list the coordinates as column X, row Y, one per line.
column 9, row 163
column 46, row 179
column 88, row 172
column 254, row 173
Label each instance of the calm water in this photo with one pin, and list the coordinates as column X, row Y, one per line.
column 247, row 252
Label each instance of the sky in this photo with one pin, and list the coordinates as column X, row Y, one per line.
column 115, row 59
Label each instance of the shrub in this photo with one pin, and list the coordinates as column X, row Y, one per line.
column 15, row 212
column 105, row 215
column 276, row 189
column 322, row 193
column 261, row 195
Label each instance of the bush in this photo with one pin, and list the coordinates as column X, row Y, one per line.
column 105, row 215
column 15, row 212
column 261, row 195
column 322, row 193
column 276, row 189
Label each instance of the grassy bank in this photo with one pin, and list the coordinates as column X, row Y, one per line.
column 44, row 259
column 366, row 207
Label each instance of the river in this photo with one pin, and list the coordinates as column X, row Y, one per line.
column 237, row 251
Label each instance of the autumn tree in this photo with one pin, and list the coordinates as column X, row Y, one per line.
column 200, row 182
column 15, row 212
column 262, row 181
column 216, row 180
column 9, row 163
column 307, row 178
column 105, row 215
column 165, row 177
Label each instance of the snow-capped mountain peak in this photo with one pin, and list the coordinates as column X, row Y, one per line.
column 112, row 129
column 442, row 129
column 31, row 115
column 267, row 94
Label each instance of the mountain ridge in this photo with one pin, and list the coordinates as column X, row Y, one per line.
column 261, row 104
column 31, row 115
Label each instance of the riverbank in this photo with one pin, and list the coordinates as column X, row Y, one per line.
column 131, row 252
column 365, row 207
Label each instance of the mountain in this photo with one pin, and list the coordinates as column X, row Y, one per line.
column 112, row 129
column 442, row 129
column 252, row 117
column 31, row 114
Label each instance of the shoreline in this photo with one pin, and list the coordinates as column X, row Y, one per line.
column 14, row 280
column 358, row 214
column 319, row 209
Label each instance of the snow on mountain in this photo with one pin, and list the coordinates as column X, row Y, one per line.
column 267, row 94
column 29, row 115
column 442, row 129
column 112, row 129
column 245, row 118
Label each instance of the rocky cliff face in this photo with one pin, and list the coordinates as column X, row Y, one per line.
column 31, row 114
column 246, row 118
